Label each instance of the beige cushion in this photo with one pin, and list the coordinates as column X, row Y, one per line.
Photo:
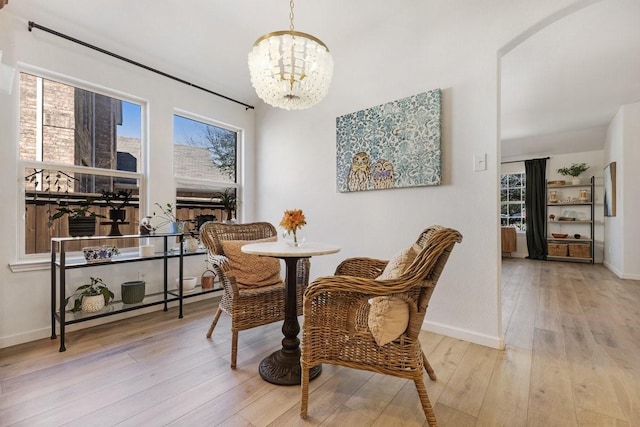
column 399, row 263
column 251, row 270
column 388, row 319
column 389, row 316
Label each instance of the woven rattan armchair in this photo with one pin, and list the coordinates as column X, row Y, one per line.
column 336, row 309
column 248, row 307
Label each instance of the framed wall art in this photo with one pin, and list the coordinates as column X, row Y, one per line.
column 610, row 189
column 393, row 145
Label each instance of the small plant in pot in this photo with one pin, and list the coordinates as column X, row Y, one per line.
column 91, row 297
column 229, row 201
column 574, row 171
column 168, row 216
column 117, row 201
column 82, row 220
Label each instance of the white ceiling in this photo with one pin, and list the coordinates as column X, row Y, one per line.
column 570, row 78
column 563, row 85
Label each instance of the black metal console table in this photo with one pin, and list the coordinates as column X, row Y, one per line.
column 60, row 265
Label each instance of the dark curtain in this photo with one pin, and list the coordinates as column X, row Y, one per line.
column 535, row 200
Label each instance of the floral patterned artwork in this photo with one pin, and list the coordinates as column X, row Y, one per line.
column 393, row 145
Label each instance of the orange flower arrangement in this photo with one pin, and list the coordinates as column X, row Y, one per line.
column 292, row 221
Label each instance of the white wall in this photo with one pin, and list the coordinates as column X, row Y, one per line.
column 24, row 297
column 622, row 232
column 449, row 45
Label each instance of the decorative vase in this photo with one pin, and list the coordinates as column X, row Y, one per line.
column 93, row 303
column 133, row 292
column 575, row 181
column 190, row 245
column 294, row 238
column 176, row 227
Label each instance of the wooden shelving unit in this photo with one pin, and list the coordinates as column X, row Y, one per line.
column 570, row 222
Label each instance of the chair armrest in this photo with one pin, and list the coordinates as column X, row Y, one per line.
column 220, row 266
column 366, row 288
column 361, row 267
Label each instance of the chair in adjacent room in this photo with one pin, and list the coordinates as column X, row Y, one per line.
column 253, row 288
column 369, row 314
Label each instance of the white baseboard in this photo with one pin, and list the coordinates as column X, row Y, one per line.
column 496, row 342
column 620, row 274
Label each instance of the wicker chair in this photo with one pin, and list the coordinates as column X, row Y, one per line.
column 248, row 307
column 336, row 310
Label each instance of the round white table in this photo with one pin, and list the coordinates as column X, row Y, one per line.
column 283, row 366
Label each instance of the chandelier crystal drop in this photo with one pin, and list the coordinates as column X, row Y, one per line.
column 290, row 69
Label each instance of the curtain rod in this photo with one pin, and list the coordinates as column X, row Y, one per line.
column 518, row 161
column 130, row 61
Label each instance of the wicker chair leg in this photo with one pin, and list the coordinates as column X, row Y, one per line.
column 304, row 397
column 234, row 348
column 214, row 323
column 427, row 366
column 426, row 404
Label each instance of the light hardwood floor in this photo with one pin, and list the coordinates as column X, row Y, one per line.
column 572, row 358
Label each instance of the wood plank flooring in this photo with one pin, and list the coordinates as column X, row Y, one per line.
column 572, row 359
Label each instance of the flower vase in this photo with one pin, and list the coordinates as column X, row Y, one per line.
column 294, row 238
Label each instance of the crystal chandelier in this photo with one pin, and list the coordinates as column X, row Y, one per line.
column 290, row 69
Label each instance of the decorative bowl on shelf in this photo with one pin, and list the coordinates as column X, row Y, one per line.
column 556, row 183
column 188, row 283
column 98, row 253
column 559, row 235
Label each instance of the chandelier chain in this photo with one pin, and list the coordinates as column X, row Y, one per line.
column 291, row 15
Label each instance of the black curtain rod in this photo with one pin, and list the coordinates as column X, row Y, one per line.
column 518, row 161
column 130, row 61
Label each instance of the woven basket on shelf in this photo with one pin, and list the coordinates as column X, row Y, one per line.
column 580, row 250
column 557, row 249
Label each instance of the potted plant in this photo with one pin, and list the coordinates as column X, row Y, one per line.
column 229, row 201
column 168, row 216
column 91, row 297
column 82, row 220
column 117, row 201
column 574, row 171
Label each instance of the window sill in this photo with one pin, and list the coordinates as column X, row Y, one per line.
column 31, row 265
column 36, row 264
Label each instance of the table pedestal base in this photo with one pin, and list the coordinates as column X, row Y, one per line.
column 284, row 369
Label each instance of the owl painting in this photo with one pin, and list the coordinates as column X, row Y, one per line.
column 383, row 175
column 360, row 172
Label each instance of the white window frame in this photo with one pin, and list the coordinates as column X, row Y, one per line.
column 184, row 183
column 41, row 261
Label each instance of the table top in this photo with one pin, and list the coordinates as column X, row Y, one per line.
column 281, row 249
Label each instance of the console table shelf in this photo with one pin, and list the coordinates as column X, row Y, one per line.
column 60, row 264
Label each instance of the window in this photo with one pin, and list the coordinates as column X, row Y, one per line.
column 206, row 167
column 512, row 207
column 73, row 145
